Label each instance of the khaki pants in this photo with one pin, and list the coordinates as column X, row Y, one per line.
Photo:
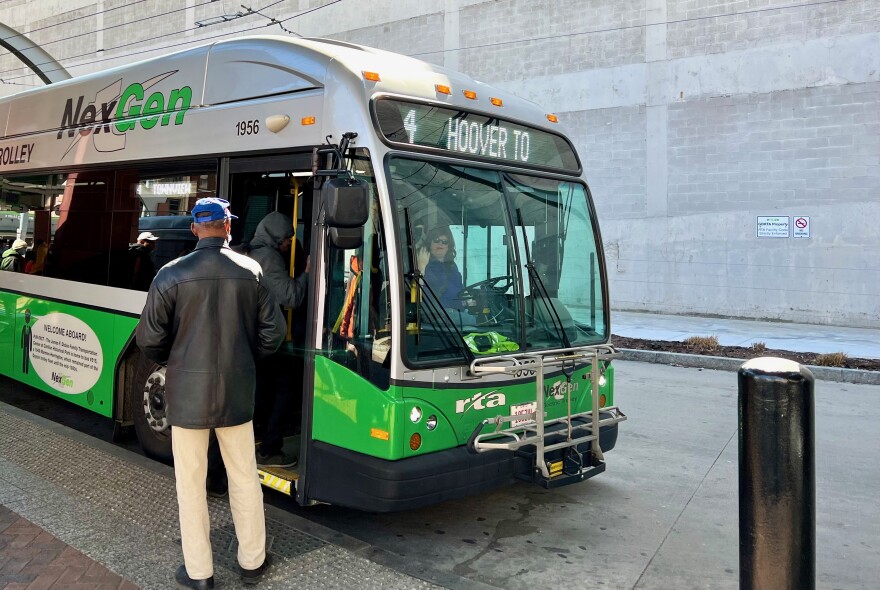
column 190, row 448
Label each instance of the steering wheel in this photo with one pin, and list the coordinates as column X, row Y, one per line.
column 485, row 299
column 495, row 285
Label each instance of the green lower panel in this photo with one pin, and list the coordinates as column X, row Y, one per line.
column 352, row 413
column 65, row 350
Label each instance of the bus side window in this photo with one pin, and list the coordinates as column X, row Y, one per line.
column 358, row 333
column 80, row 250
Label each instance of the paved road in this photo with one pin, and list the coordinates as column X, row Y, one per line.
column 664, row 515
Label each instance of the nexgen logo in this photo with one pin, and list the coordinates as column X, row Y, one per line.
column 108, row 117
column 481, row 401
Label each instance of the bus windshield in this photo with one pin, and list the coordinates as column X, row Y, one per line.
column 494, row 262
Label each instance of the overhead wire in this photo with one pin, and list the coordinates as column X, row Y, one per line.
column 274, row 21
column 64, row 22
column 125, row 24
column 101, row 30
column 231, row 17
column 629, row 27
column 189, row 42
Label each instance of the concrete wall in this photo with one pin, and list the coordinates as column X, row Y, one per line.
column 692, row 119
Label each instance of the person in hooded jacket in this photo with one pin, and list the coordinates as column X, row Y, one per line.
column 13, row 258
column 270, row 246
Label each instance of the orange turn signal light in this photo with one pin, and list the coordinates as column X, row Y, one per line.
column 308, row 120
column 415, row 441
column 371, row 76
column 379, row 433
column 552, row 118
column 603, row 401
column 442, row 89
column 470, row 94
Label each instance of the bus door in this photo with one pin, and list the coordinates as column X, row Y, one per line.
column 256, row 188
column 351, row 366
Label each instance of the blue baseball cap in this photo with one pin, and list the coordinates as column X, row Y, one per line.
column 211, row 209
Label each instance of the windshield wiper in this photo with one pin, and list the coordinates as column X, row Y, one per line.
column 535, row 281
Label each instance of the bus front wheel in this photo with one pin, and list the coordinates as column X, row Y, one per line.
column 147, row 393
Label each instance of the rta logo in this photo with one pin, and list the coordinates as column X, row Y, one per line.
column 481, row 401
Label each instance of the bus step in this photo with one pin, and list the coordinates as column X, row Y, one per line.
column 279, row 479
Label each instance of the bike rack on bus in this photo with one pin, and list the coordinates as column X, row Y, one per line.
column 533, row 432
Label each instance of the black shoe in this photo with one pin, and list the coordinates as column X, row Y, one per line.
column 253, row 576
column 217, row 488
column 184, row 581
column 279, row 459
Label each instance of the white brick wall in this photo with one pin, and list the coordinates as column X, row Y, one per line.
column 500, row 34
column 814, row 146
column 423, row 35
column 615, row 163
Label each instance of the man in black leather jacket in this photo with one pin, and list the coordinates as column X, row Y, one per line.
column 209, row 316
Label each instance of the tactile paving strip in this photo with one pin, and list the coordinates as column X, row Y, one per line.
column 124, row 490
column 124, row 515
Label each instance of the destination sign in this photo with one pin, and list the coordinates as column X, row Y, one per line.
column 472, row 134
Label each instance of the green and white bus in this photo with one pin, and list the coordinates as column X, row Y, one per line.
column 415, row 389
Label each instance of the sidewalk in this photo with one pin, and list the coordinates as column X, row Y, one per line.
column 90, row 516
column 31, row 558
column 855, row 342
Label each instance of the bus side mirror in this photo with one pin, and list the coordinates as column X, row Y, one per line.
column 347, row 238
column 346, row 202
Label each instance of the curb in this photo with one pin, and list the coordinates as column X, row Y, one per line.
column 721, row 363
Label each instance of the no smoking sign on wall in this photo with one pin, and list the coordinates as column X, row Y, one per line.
column 782, row 226
column 801, row 227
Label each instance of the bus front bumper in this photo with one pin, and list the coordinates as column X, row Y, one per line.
column 346, row 478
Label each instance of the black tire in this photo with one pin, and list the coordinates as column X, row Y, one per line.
column 147, row 396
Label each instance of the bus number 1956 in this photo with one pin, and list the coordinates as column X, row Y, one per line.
column 247, row 127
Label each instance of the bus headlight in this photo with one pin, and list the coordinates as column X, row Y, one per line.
column 602, row 381
column 431, row 423
column 415, row 415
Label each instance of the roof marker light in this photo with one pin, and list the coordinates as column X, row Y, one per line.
column 442, row 89
column 496, row 101
column 470, row 94
column 308, row 120
column 371, row 76
column 552, row 118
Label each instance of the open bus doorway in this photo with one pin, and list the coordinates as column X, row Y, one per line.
column 259, row 187
column 256, row 188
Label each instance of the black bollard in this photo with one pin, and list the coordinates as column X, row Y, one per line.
column 777, row 476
